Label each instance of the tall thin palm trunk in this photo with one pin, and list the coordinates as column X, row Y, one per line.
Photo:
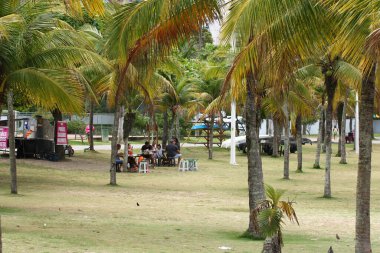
column 319, row 141
column 114, row 140
column 255, row 171
column 343, row 156
column 323, row 126
column 120, row 125
column 330, row 84
column 211, row 137
column 129, row 120
column 285, row 109
column 340, row 117
column 276, row 131
column 172, row 123
column 363, row 187
column 165, row 129
column 12, row 144
column 177, row 132
column 299, row 142
column 91, row 124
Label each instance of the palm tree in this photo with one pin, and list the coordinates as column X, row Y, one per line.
column 290, row 102
column 208, row 89
column 356, row 36
column 261, row 38
column 35, row 51
column 157, row 26
column 334, row 70
column 271, row 214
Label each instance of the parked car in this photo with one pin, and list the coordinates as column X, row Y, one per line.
column 267, row 144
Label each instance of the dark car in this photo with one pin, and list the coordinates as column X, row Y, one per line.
column 267, row 144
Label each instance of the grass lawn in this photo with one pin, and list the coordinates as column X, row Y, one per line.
column 68, row 206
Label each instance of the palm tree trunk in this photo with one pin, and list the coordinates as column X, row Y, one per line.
column 323, row 126
column 363, row 187
column 340, row 117
column 12, row 144
column 255, row 171
column 129, row 120
column 286, row 139
column 272, row 245
column 120, row 125
column 171, row 132
column 91, row 124
column 115, row 129
column 165, row 130
column 299, row 142
column 59, row 149
column 343, row 130
column 177, row 132
column 276, row 130
column 330, row 84
column 211, row 137
column 319, row 141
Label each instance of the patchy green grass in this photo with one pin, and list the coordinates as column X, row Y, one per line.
column 69, row 206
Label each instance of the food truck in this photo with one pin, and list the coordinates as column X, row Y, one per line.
column 35, row 137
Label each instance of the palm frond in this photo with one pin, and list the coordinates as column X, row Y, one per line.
column 66, row 57
column 348, row 74
column 270, row 221
column 49, row 88
column 93, row 7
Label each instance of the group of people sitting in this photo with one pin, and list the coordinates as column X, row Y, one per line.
column 154, row 153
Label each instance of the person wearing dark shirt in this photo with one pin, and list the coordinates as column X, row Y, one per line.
column 146, row 146
column 172, row 151
column 176, row 142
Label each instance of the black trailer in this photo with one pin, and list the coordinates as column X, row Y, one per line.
column 34, row 138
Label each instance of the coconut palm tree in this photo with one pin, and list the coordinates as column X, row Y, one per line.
column 334, row 71
column 356, row 36
column 37, row 48
column 207, row 89
column 271, row 213
column 157, row 26
column 262, row 42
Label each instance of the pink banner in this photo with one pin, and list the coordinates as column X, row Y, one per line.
column 61, row 133
column 3, row 137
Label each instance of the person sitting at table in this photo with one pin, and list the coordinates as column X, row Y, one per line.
column 147, row 152
column 159, row 154
column 130, row 150
column 146, row 147
column 176, row 142
column 119, row 156
column 172, row 151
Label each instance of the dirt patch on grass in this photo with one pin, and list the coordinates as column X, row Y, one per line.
column 86, row 162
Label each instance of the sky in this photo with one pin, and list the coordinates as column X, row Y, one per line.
column 215, row 31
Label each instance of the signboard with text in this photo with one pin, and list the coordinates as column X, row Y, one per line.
column 3, row 137
column 61, row 133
